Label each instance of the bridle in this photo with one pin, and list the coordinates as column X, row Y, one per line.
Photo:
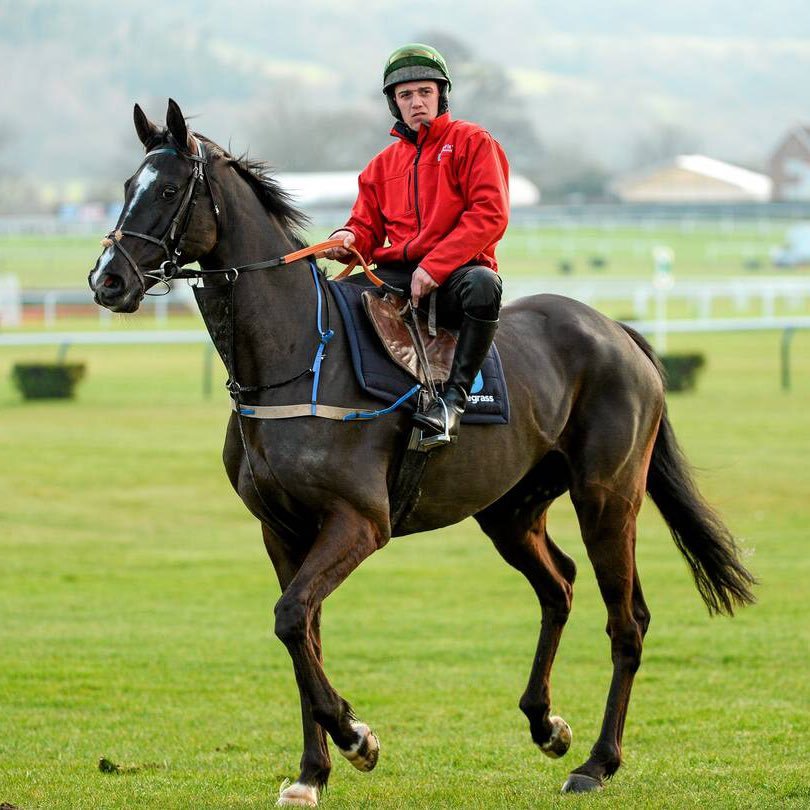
column 172, row 240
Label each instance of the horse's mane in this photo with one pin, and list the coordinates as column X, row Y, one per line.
column 258, row 175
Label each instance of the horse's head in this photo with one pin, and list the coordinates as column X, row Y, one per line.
column 161, row 226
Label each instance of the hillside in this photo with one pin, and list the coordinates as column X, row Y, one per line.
column 594, row 79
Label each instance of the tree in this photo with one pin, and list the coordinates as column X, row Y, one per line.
column 298, row 135
column 7, row 135
column 483, row 92
column 662, row 143
column 570, row 175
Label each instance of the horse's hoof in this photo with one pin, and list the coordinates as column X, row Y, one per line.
column 580, row 783
column 560, row 740
column 297, row 795
column 365, row 752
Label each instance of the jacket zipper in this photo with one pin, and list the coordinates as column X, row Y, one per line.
column 415, row 200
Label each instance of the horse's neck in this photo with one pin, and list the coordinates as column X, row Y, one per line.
column 273, row 312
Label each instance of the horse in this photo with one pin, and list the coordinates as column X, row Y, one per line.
column 588, row 418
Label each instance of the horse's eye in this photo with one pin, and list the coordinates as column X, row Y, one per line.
column 168, row 192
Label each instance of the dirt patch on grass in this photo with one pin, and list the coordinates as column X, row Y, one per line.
column 108, row 766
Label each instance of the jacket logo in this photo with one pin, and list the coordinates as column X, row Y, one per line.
column 447, row 149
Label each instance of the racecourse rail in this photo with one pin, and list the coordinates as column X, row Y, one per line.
column 64, row 340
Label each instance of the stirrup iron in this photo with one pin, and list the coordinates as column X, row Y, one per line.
column 434, row 440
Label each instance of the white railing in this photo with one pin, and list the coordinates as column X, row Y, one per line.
column 51, row 300
column 142, row 337
column 793, row 293
column 657, row 328
column 643, row 298
column 10, row 302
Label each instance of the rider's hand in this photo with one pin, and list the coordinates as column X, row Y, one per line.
column 422, row 284
column 342, row 254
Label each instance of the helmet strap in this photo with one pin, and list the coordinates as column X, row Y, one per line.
column 444, row 101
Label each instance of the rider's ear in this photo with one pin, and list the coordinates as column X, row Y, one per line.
column 146, row 130
column 177, row 124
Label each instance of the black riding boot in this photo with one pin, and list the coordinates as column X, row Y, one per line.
column 441, row 420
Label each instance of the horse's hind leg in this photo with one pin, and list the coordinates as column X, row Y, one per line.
column 607, row 516
column 519, row 534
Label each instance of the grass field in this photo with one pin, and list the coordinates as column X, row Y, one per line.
column 709, row 252
column 136, row 618
column 527, row 256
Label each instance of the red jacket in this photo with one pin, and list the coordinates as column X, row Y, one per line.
column 441, row 202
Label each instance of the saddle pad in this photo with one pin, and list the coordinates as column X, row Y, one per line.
column 379, row 376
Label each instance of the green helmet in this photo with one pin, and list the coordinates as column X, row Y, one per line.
column 413, row 62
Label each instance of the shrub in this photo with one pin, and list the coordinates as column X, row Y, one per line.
column 681, row 370
column 47, row 380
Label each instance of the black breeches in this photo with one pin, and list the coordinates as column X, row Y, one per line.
column 471, row 290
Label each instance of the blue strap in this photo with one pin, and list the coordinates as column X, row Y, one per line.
column 319, row 355
column 375, row 414
column 325, row 338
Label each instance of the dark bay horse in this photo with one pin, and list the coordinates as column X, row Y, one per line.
column 587, row 417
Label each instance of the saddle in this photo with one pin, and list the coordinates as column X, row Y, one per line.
column 385, row 314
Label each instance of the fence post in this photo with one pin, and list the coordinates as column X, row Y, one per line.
column 49, row 308
column 208, row 369
column 662, row 281
column 787, row 337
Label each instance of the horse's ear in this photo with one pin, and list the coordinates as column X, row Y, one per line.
column 143, row 126
column 177, row 124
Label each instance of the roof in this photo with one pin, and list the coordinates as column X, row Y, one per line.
column 658, row 182
column 752, row 182
column 335, row 189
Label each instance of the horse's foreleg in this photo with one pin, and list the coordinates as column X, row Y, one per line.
column 316, row 763
column 524, row 543
column 608, row 521
column 344, row 541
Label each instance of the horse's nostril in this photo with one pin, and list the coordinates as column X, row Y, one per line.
column 112, row 283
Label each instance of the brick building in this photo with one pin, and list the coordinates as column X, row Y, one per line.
column 789, row 165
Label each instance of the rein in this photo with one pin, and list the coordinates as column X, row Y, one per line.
column 172, row 240
column 317, row 251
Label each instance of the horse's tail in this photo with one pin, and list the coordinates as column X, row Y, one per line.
column 699, row 532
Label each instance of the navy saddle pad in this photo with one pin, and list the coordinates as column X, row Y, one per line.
column 379, row 376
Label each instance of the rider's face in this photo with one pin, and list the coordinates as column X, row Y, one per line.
column 418, row 102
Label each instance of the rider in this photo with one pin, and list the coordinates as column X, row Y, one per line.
column 430, row 210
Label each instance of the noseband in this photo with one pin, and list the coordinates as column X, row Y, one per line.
column 172, row 240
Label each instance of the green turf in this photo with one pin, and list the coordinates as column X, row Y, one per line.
column 136, row 618
column 707, row 250
column 526, row 255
